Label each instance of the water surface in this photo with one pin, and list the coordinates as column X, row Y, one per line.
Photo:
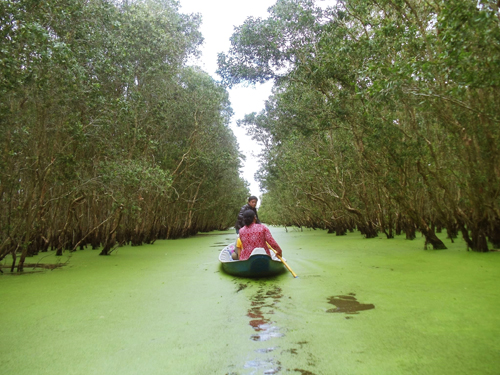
column 359, row 306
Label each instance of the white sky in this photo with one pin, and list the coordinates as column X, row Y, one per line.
column 219, row 19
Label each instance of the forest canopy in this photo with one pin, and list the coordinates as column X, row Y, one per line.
column 107, row 136
column 384, row 115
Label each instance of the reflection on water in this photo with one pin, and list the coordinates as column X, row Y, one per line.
column 262, row 318
column 348, row 304
column 266, row 350
column 270, row 366
column 303, row 372
column 262, row 306
column 267, row 332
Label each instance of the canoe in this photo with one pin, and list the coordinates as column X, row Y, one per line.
column 259, row 264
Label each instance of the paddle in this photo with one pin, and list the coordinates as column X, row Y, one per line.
column 283, row 261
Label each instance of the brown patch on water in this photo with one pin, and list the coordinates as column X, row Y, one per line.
column 303, row 372
column 276, row 293
column 260, row 321
column 348, row 304
column 241, row 287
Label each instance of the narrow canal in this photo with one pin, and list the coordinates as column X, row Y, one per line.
column 358, row 307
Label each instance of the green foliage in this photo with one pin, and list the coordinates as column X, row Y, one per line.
column 106, row 136
column 384, row 113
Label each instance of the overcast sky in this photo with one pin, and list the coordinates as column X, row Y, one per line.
column 219, row 19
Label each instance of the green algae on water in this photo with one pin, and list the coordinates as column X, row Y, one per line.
column 167, row 308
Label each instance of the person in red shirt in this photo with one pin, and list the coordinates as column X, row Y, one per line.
column 254, row 235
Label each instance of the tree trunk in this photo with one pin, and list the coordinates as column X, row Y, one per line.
column 398, row 224
column 409, row 229
column 13, row 260
column 465, row 235
column 26, row 244
column 111, row 237
column 494, row 234
column 390, row 224
column 430, row 237
column 368, row 230
column 479, row 241
column 452, row 230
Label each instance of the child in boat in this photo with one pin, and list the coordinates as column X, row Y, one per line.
column 235, row 250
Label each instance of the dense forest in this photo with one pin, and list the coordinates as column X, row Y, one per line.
column 384, row 116
column 107, row 135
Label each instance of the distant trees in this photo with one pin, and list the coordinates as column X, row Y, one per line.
column 384, row 115
column 106, row 136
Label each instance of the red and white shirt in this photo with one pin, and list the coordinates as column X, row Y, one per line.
column 256, row 235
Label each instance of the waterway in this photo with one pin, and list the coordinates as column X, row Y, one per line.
column 359, row 306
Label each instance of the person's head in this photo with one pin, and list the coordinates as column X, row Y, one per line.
column 252, row 201
column 248, row 217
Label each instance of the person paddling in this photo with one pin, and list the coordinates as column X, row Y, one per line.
column 254, row 235
column 251, row 205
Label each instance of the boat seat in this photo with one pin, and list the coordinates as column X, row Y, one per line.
column 225, row 255
column 260, row 250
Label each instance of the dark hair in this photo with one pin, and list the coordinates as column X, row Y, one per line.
column 248, row 217
column 252, row 197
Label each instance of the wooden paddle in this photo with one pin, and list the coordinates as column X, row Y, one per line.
column 283, row 261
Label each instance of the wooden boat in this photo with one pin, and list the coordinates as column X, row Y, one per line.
column 259, row 264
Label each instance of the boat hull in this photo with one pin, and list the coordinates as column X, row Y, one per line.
column 259, row 264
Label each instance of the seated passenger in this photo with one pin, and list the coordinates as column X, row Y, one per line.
column 254, row 235
column 234, row 249
column 239, row 247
